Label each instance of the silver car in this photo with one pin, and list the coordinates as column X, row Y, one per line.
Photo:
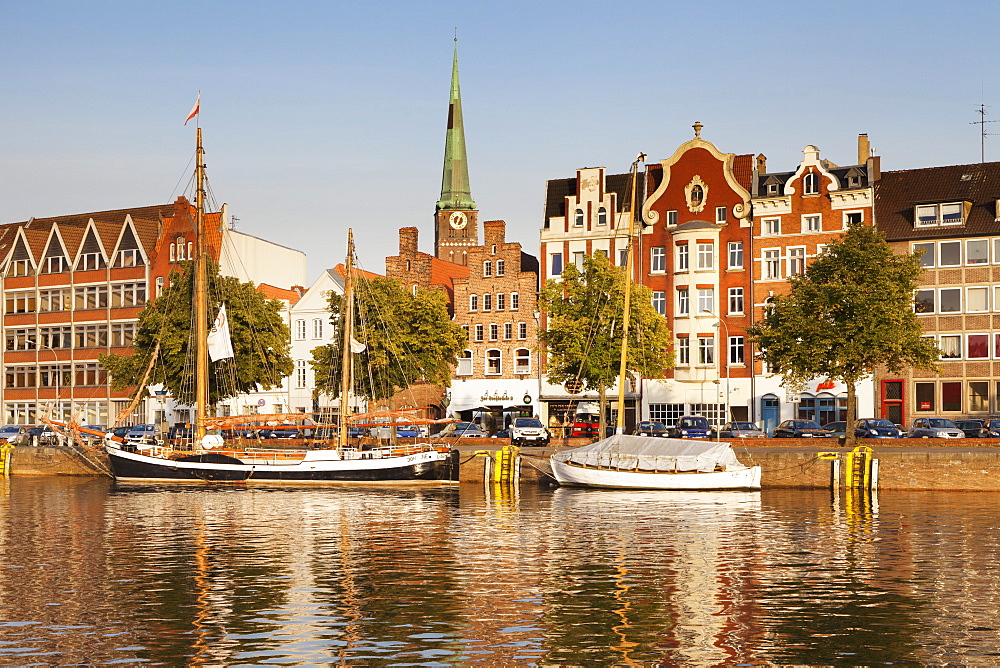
column 934, row 428
column 741, row 430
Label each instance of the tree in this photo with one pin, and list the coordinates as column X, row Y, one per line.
column 259, row 335
column 583, row 334
column 849, row 314
column 408, row 337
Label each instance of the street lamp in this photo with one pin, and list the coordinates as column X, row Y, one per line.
column 725, row 350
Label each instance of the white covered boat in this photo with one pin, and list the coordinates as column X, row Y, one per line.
column 644, row 462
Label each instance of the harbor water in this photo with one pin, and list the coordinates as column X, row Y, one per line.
column 95, row 575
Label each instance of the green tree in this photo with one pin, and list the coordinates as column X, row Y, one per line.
column 848, row 315
column 259, row 335
column 408, row 337
column 583, row 334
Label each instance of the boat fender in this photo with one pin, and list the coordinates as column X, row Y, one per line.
column 211, row 441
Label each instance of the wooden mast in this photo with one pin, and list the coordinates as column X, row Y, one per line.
column 201, row 299
column 346, row 354
column 626, row 316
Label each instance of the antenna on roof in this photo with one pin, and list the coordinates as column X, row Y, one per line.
column 233, row 220
column 982, row 130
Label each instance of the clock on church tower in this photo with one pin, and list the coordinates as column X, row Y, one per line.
column 455, row 233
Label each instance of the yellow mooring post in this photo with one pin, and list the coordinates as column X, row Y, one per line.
column 506, row 468
column 5, row 451
column 859, row 464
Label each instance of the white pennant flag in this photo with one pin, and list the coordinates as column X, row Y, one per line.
column 357, row 346
column 220, row 346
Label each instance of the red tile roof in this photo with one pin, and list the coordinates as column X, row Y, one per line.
column 272, row 292
column 342, row 272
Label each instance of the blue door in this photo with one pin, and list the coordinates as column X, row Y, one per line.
column 769, row 413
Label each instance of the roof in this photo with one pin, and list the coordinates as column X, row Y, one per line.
column 341, row 271
column 898, row 192
column 444, row 272
column 743, row 170
column 557, row 190
column 272, row 292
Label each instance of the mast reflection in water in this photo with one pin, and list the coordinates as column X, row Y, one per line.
column 429, row 577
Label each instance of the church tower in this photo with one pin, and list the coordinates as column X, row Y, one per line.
column 456, row 220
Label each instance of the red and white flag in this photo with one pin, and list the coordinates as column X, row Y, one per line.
column 195, row 110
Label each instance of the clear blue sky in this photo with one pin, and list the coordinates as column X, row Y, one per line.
column 323, row 115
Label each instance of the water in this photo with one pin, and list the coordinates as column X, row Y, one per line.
column 158, row 576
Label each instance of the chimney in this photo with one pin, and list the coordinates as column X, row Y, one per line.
column 864, row 149
column 762, row 164
column 494, row 231
column 408, row 240
column 874, row 168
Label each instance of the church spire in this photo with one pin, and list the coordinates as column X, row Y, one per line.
column 455, row 190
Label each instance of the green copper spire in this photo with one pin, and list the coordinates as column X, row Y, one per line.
column 455, row 191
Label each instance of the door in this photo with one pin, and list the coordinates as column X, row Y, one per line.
column 770, row 410
column 892, row 401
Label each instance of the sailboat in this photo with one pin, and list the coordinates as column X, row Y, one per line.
column 211, row 461
column 647, row 462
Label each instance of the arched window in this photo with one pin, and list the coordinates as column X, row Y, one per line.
column 697, row 194
column 190, row 250
column 578, row 221
column 602, row 216
column 493, row 362
column 810, row 184
column 181, row 245
column 407, row 265
column 159, row 286
column 464, row 367
column 522, row 360
column 173, row 252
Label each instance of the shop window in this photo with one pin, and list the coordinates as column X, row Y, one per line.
column 924, row 394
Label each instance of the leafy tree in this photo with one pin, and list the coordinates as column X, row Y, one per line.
column 408, row 337
column 849, row 314
column 259, row 335
column 583, row 336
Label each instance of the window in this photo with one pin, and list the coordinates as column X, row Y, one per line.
column 602, row 216
column 494, row 332
column 501, row 301
column 811, row 224
column 720, row 214
column 666, row 413
column 20, row 376
column 578, row 259
column 55, row 265
column 672, row 217
column 683, row 263
column 706, row 300
column 977, row 251
column 683, row 302
column 927, row 259
column 796, row 261
column 501, row 267
column 473, row 302
column 479, row 332
column 487, row 268
column 853, row 218
column 129, row 257
column 300, row 373
column 90, row 261
column 931, row 215
column 300, row 329
column 923, row 302
column 317, row 328
column 90, row 297
column 19, row 268
column 772, row 263
column 951, row 346
column 706, row 350
column 465, row 328
column 697, row 194
column 736, row 346
column 464, row 367
column 124, row 295
column 122, row 334
column 493, row 364
column 950, row 253
column 578, row 220
column 951, row 396
column 735, row 301
column 522, row 330
column 706, row 256
column 924, row 393
column 90, row 373
column 86, row 336
column 771, row 226
column 658, row 258
column 977, row 346
column 159, row 287
column 977, row 300
column 623, row 257
column 522, row 361
column 20, row 302
column 735, row 254
column 684, row 351
column 660, row 302
column 810, row 184
column 515, row 301
column 508, row 331
column 555, row 261
column 979, row 396
column 950, row 300
column 487, row 302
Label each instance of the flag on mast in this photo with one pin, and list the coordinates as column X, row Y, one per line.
column 220, row 345
column 195, row 110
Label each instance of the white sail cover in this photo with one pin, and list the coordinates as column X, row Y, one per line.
column 649, row 453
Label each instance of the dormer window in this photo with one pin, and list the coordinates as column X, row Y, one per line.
column 578, row 221
column 810, row 184
column 772, row 189
column 934, row 215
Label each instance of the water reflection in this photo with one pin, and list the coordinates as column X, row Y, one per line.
column 498, row 576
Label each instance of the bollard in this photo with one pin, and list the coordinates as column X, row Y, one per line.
column 504, row 467
column 859, row 467
column 5, row 456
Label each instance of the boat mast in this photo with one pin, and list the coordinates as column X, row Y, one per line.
column 201, row 299
column 629, row 271
column 346, row 357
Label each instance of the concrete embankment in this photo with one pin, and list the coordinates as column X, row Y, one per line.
column 793, row 463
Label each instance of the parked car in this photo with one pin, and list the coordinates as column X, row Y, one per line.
column 690, row 426
column 141, row 433
column 463, row 430
column 876, row 428
column 94, row 439
column 120, row 432
column 801, row 429
column 836, row 429
column 37, row 435
column 9, row 432
column 525, row 430
column 503, row 433
column 972, row 428
column 992, row 427
column 934, row 428
column 740, row 430
column 651, row 429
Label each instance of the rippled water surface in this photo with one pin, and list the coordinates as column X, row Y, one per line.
column 227, row 576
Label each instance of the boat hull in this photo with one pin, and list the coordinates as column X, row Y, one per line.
column 429, row 467
column 743, row 478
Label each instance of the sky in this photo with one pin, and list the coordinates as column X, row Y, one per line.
column 319, row 116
